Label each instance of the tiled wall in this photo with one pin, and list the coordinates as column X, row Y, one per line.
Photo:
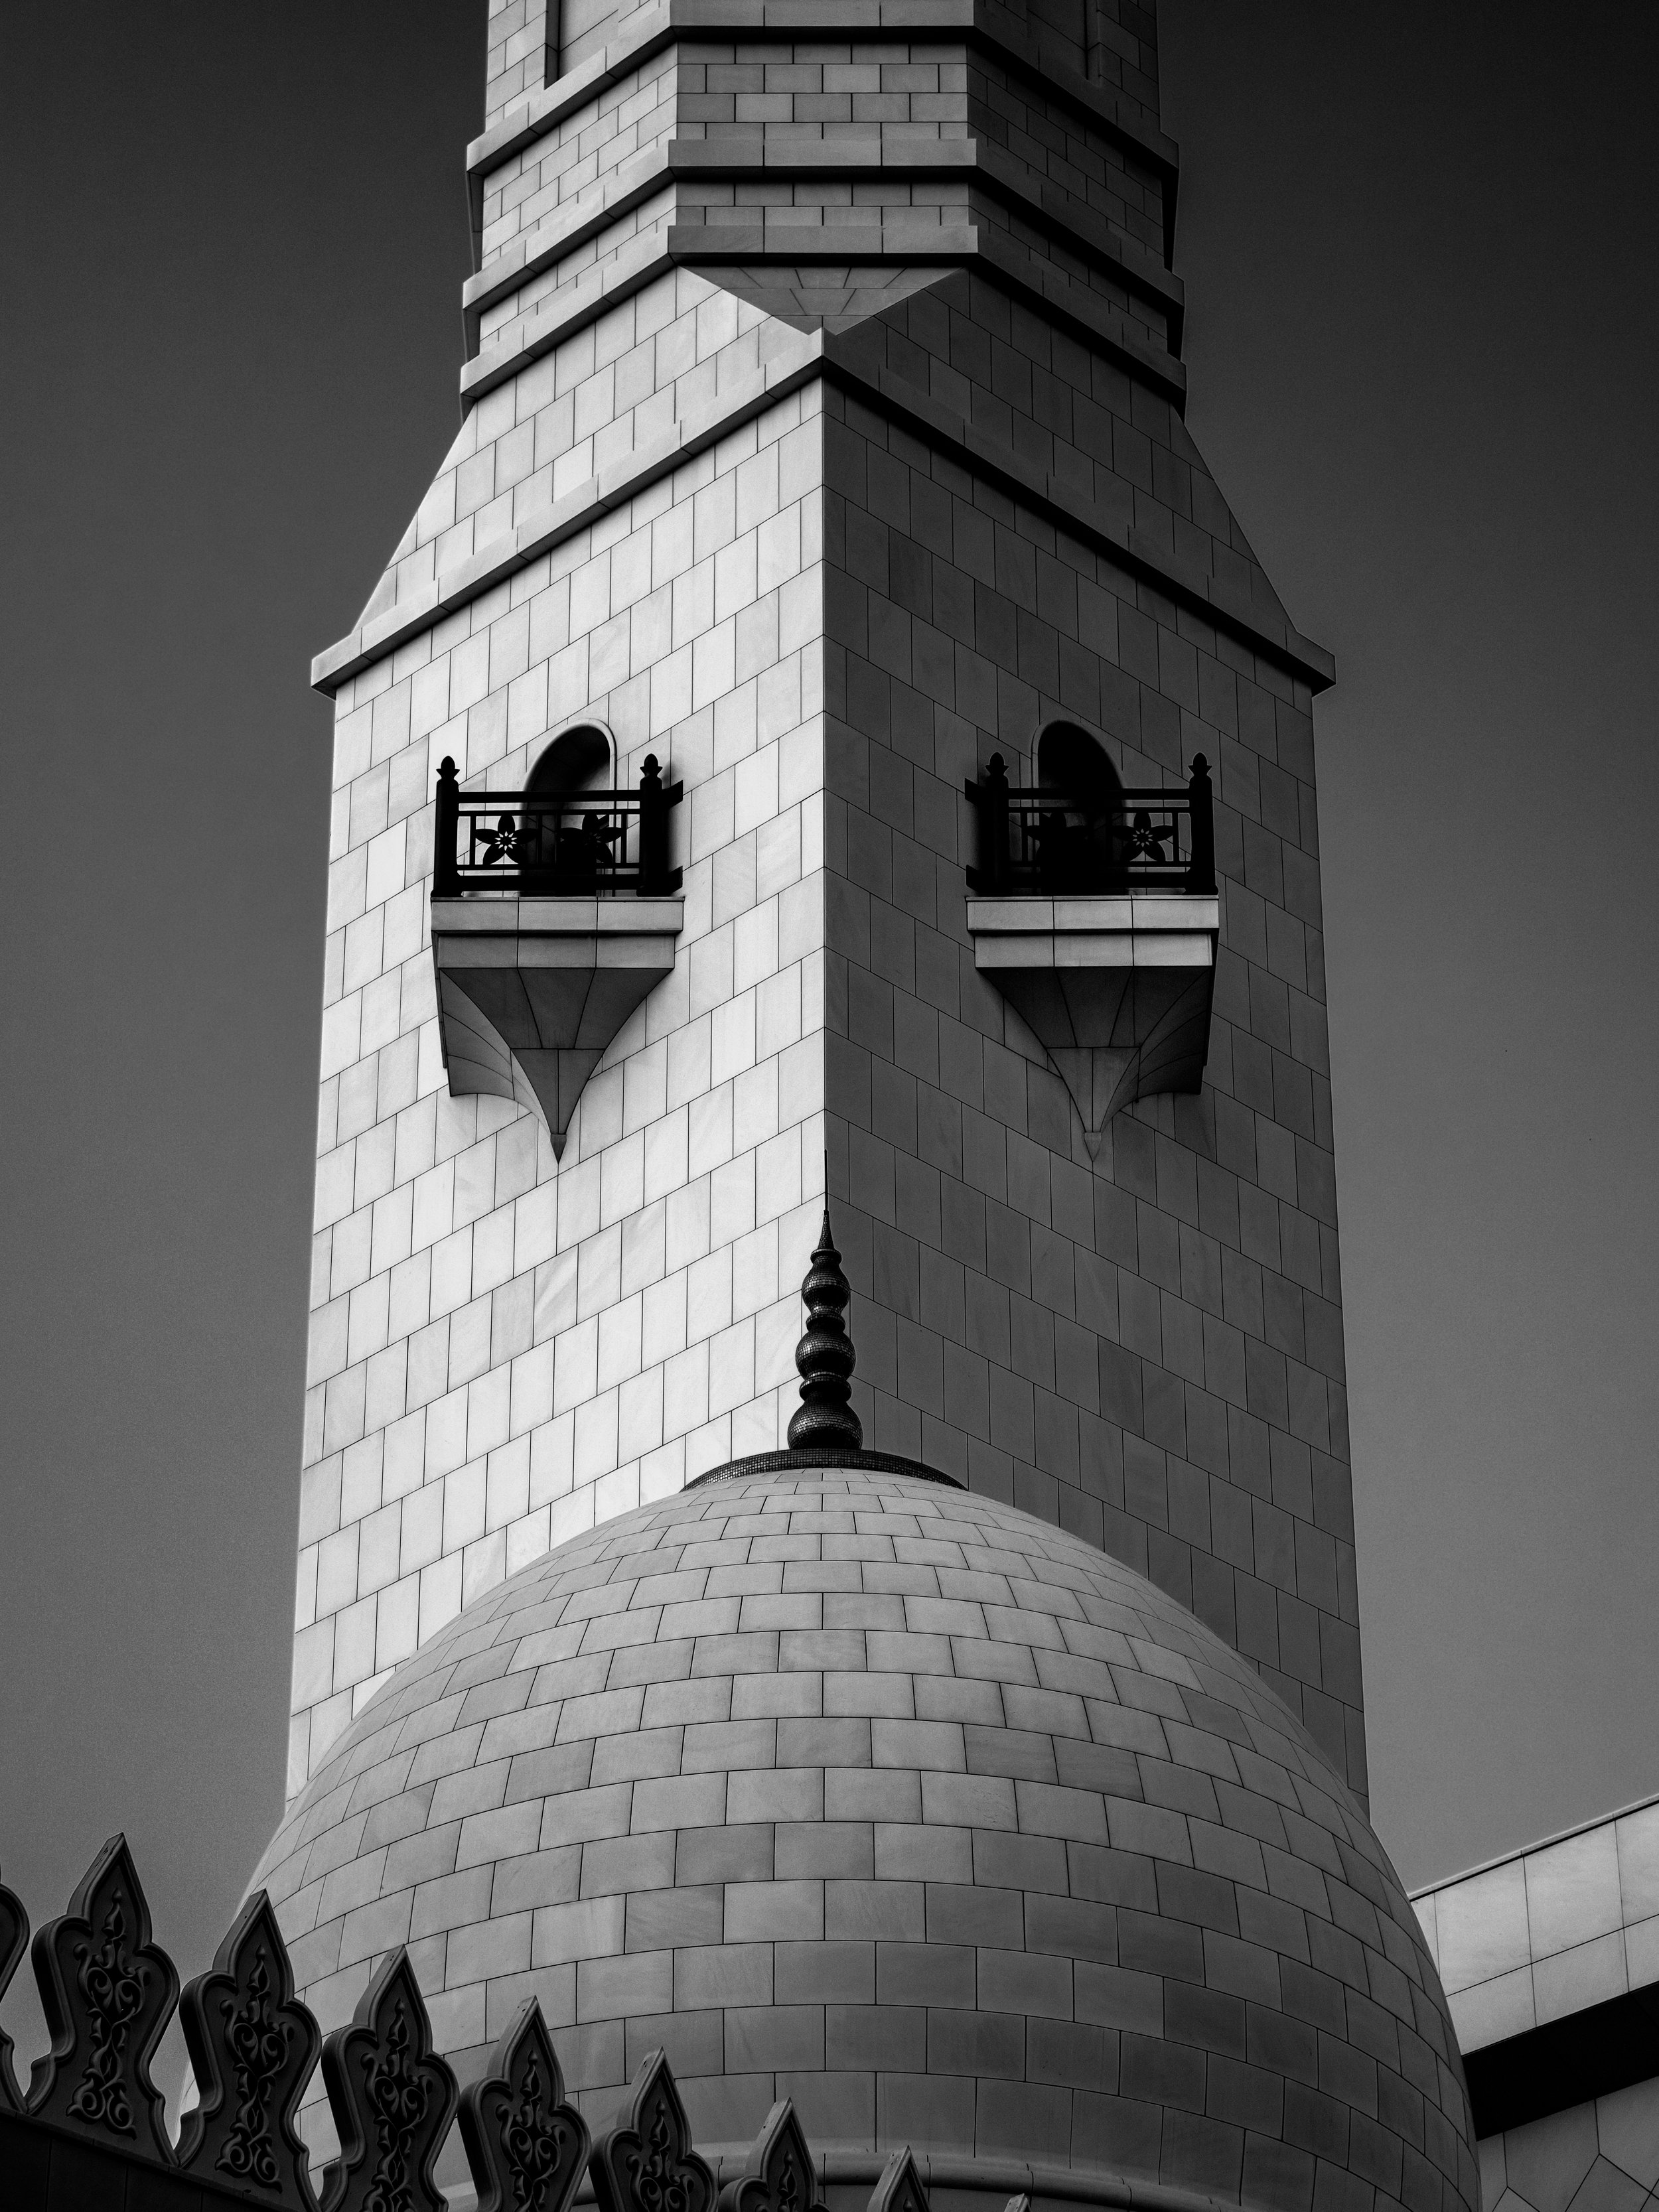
column 1549, row 1931
column 1006, row 110
column 501, row 1347
column 586, row 27
column 873, row 1795
column 621, row 381
column 805, row 98
column 1147, row 1347
column 517, row 63
column 1600, row 2157
column 621, row 121
column 1038, row 392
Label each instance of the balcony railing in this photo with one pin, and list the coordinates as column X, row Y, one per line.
column 1052, row 843
column 559, row 844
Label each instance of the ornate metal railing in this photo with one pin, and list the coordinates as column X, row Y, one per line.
column 1035, row 840
column 90, row 2132
column 553, row 844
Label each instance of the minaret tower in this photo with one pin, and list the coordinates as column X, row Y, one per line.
column 824, row 733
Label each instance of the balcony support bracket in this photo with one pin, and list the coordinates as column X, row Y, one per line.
column 531, row 991
column 1116, row 988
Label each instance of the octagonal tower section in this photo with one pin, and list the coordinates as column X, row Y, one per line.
column 823, row 458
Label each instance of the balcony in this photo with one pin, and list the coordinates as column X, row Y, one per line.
column 1095, row 914
column 553, row 915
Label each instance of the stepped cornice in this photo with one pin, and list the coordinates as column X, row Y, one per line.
column 889, row 155
column 981, row 22
column 898, row 239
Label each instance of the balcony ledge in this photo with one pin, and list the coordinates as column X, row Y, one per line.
column 1116, row 987
column 531, row 991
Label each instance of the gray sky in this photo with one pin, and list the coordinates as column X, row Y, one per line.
column 1419, row 249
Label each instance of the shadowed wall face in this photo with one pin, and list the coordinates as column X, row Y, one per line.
column 1146, row 1347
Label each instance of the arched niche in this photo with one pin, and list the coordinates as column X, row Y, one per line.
column 581, row 759
column 1069, row 759
column 1075, row 764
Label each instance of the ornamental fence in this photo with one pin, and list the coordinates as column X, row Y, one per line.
column 1035, row 840
column 89, row 2135
column 553, row 844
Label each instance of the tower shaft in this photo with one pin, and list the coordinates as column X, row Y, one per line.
column 823, row 437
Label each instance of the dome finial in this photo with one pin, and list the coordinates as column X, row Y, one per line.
column 824, row 1420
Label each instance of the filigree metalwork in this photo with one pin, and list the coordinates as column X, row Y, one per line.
column 392, row 2098
column 108, row 1993
column 554, row 843
column 507, row 846
column 780, row 2176
column 647, row 2163
column 1141, row 841
column 526, row 2147
column 899, row 2188
column 252, row 2047
column 1080, row 843
column 14, row 1941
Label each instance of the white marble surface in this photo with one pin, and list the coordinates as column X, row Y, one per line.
column 1568, row 1923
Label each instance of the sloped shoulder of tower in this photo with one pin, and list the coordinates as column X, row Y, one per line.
column 618, row 400
column 1022, row 394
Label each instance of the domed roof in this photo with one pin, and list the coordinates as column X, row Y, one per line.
column 852, row 1786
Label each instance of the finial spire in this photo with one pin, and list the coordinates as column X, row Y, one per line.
column 825, row 1419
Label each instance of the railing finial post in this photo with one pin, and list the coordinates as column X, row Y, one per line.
column 653, row 830
column 1200, row 872
column 994, row 827
column 446, row 874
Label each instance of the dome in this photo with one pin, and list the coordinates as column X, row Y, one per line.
column 849, row 1785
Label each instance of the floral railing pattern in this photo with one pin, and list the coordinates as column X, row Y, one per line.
column 1031, row 840
column 553, row 844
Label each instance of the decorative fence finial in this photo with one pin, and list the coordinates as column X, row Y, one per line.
column 647, row 2162
column 108, row 1993
column 900, row 2188
column 253, row 2046
column 780, row 2176
column 14, row 1941
column 393, row 2097
column 525, row 2146
column 825, row 1419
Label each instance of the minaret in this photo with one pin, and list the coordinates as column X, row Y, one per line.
column 881, row 771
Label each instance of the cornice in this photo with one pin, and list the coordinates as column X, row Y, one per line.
column 899, row 237
column 836, row 359
column 966, row 158
column 979, row 22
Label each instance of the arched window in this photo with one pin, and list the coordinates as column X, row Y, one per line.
column 573, row 844
column 577, row 760
column 1081, row 839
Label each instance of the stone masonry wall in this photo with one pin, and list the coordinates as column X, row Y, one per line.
column 1148, row 1348
column 821, row 623
column 503, row 1346
column 519, row 63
